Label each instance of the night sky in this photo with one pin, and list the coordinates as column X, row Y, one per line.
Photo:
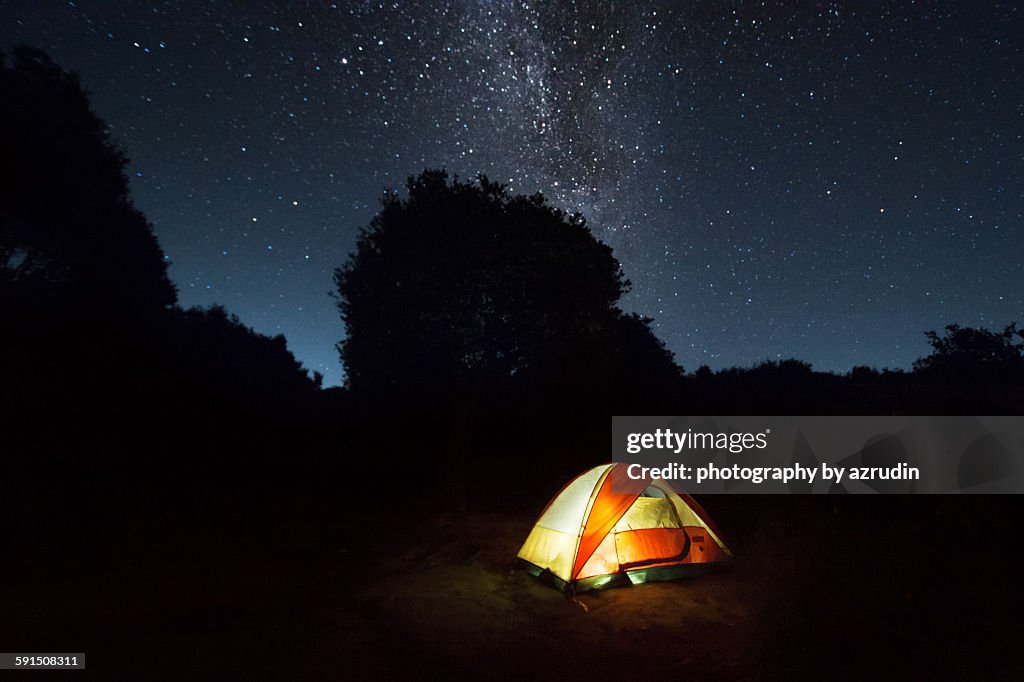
column 825, row 182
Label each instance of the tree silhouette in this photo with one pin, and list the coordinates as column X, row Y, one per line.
column 218, row 352
column 462, row 284
column 970, row 355
column 69, row 234
column 88, row 306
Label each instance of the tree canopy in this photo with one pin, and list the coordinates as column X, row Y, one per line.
column 68, row 229
column 84, row 287
column 970, row 354
column 461, row 282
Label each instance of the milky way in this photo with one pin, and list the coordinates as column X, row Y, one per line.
column 824, row 182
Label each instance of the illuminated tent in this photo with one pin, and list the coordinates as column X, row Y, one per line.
column 605, row 529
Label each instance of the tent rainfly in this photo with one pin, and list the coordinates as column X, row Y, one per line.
column 591, row 536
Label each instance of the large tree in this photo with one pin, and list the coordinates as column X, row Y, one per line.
column 69, row 233
column 84, row 291
column 461, row 283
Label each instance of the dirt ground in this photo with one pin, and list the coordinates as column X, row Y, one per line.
column 820, row 589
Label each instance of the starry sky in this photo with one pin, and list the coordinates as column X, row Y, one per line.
column 820, row 180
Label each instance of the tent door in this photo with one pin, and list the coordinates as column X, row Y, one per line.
column 647, row 546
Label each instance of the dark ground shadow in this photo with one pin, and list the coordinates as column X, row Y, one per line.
column 823, row 588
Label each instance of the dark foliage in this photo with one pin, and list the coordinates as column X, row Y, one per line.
column 971, row 356
column 222, row 352
column 83, row 282
column 70, row 237
column 101, row 376
column 970, row 371
column 461, row 284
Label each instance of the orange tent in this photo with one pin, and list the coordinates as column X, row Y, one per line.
column 605, row 529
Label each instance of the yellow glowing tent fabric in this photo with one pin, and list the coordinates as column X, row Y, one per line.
column 604, row 529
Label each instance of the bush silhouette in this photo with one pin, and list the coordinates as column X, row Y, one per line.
column 971, row 355
column 220, row 353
